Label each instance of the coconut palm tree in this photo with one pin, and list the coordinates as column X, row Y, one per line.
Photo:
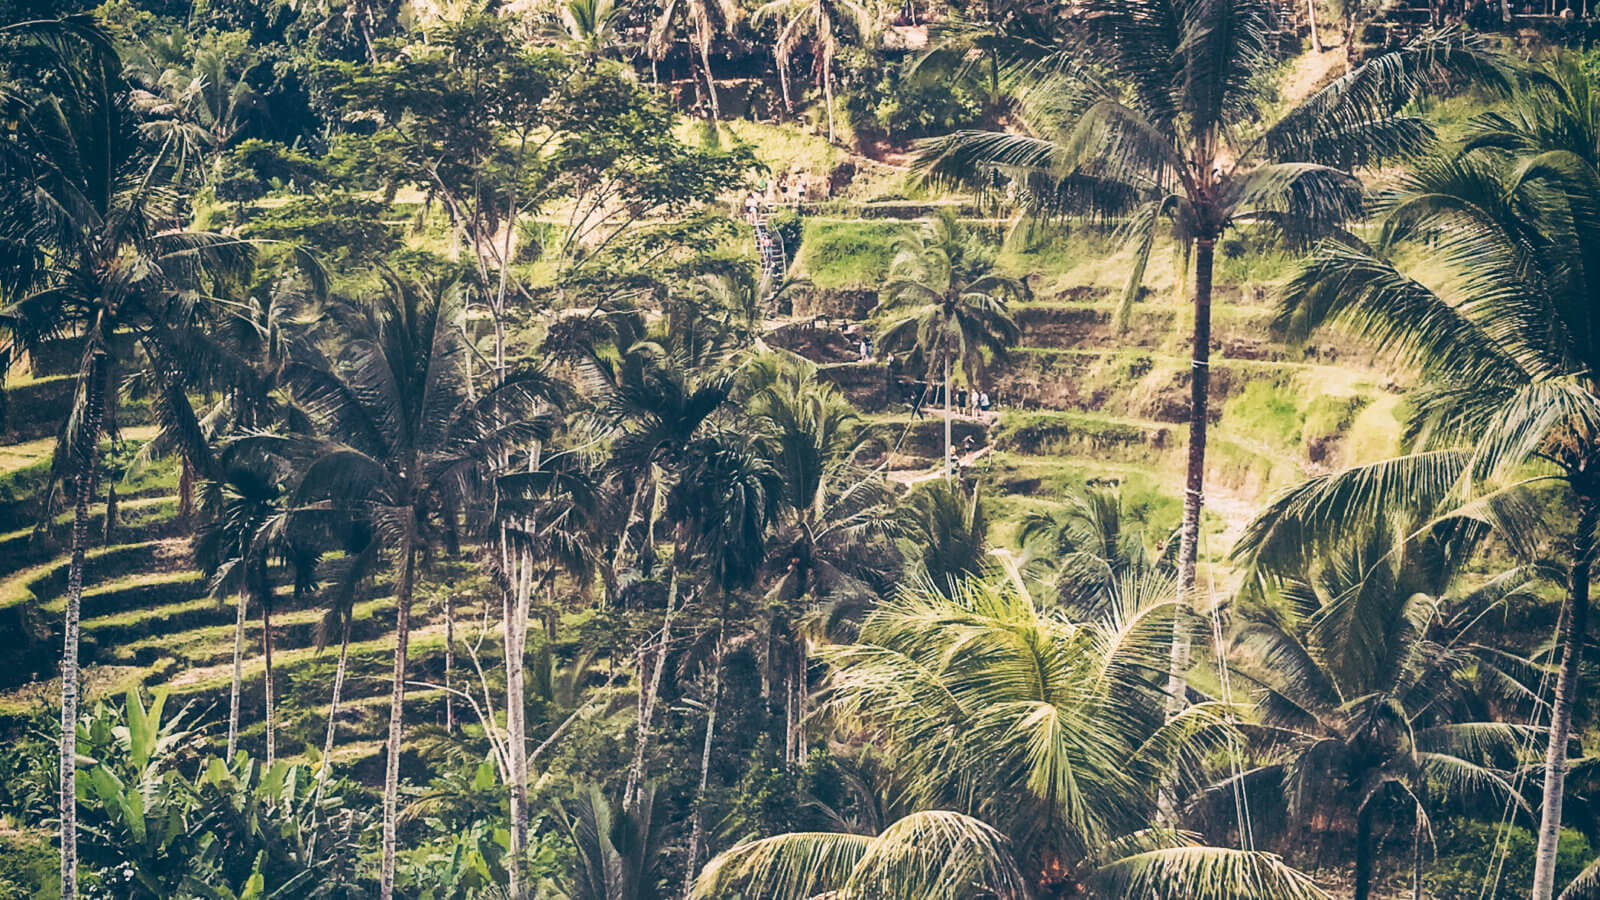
column 1156, row 118
column 1093, row 553
column 94, row 249
column 590, row 30
column 1030, row 746
column 946, row 534
column 618, row 851
column 398, row 446
column 953, row 307
column 705, row 19
column 834, row 540
column 1508, row 350
column 1371, row 671
column 824, row 23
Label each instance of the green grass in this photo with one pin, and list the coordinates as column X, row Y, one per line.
column 848, row 255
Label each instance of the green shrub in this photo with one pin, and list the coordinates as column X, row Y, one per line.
column 28, row 869
column 1467, row 849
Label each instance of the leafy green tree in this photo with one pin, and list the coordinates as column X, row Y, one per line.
column 1158, row 118
column 94, row 247
column 1371, row 672
column 1508, row 352
column 399, row 446
column 824, row 22
column 704, row 20
column 953, row 306
column 1030, row 746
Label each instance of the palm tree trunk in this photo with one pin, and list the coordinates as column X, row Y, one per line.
column 266, row 661
column 333, row 705
column 949, row 467
column 1311, row 16
column 827, row 95
column 783, row 83
column 185, row 488
column 238, row 670
column 1574, row 631
column 397, row 703
column 110, row 525
column 704, row 40
column 697, row 832
column 449, row 661
column 88, row 453
column 1364, row 852
column 1193, row 495
column 646, row 709
column 514, row 640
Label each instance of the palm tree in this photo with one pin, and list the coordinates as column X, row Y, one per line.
column 947, row 535
column 1509, row 349
column 1370, row 674
column 617, row 850
column 1030, row 746
column 954, row 306
column 823, row 22
column 400, row 445
column 591, row 30
column 1093, row 553
column 835, row 533
column 243, row 528
column 93, row 246
column 704, row 19
column 1156, row 118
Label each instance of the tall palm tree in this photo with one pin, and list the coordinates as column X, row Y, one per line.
column 93, row 246
column 834, row 539
column 1509, row 348
column 398, row 446
column 824, row 23
column 1154, row 116
column 705, row 19
column 954, row 306
column 1372, row 673
column 1049, row 733
column 242, row 532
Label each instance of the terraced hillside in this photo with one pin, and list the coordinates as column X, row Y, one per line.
column 150, row 618
column 1085, row 398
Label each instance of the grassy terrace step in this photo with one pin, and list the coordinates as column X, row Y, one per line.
column 209, row 645
column 138, row 520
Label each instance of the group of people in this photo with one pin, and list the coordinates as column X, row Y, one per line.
column 976, row 403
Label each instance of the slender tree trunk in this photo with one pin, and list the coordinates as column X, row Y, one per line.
column 1364, row 852
column 266, row 661
column 514, row 641
column 705, row 64
column 647, row 708
column 87, row 452
column 1573, row 633
column 949, row 467
column 449, row 660
column 238, row 671
column 783, row 83
column 397, row 702
column 1311, row 16
column 110, row 525
column 697, row 832
column 1193, row 494
column 827, row 96
column 333, row 705
column 185, row 488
